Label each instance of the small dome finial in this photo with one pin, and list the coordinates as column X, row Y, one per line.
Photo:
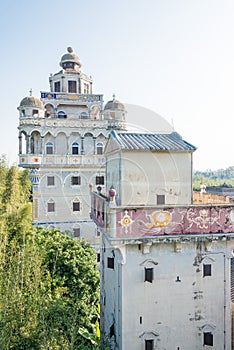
column 30, row 92
column 113, row 96
column 70, row 49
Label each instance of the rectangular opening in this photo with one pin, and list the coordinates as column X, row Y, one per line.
column 110, row 263
column 160, row 199
column 57, row 86
column 208, row 338
column 112, row 330
column 206, row 270
column 98, row 257
column 140, row 319
column 149, row 344
column 149, row 274
column 72, row 86
column 76, row 232
column 76, row 206
column 50, row 180
column 50, row 207
column 100, row 180
column 75, row 180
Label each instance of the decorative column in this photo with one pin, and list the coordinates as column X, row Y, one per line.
column 20, row 144
column 27, row 144
column 94, row 145
column 82, row 144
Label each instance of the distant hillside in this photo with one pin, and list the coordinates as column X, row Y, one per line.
column 213, row 177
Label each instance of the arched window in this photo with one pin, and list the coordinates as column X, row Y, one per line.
column 49, row 148
column 75, row 148
column 76, row 206
column 62, row 115
column 84, row 115
column 99, row 148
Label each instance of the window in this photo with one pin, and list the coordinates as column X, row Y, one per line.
column 208, row 338
column 75, row 180
column 34, row 112
column 57, row 86
column 76, row 206
column 149, row 274
column 76, row 232
column 206, row 270
column 51, row 207
column 75, row 148
column 84, row 115
column 100, row 180
column 149, row 344
column 72, row 86
column 99, row 148
column 50, row 180
column 160, row 199
column 111, row 263
column 62, row 115
column 112, row 330
column 49, row 148
column 98, row 257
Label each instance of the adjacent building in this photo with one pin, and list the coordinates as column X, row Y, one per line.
column 62, row 136
column 165, row 263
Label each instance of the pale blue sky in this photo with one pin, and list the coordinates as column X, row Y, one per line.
column 173, row 56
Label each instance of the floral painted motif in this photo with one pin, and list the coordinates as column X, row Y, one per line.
column 159, row 219
column 126, row 221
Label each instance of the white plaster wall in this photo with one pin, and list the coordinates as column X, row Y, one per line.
column 176, row 311
column 148, row 174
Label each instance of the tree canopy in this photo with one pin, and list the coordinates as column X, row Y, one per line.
column 49, row 282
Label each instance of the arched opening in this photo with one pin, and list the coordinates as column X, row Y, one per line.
column 49, row 148
column 75, row 148
column 62, row 115
column 35, row 143
column 84, row 115
column 50, row 111
column 99, row 148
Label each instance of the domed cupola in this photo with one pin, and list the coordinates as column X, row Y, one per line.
column 115, row 112
column 70, row 61
column 114, row 105
column 31, row 106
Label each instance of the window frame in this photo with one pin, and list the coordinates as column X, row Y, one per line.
column 100, row 180
column 52, row 179
column 99, row 148
column 49, row 146
column 50, row 207
column 72, row 86
column 110, row 263
column 208, row 339
column 149, row 274
column 76, row 229
column 161, row 199
column 57, row 86
column 74, row 204
column 78, row 177
column 207, row 270
column 75, row 148
column 149, row 344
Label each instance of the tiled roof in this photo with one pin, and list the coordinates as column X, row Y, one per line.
column 154, row 142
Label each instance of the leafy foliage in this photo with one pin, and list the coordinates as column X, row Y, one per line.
column 213, row 177
column 49, row 283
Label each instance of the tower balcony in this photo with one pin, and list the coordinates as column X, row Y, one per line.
column 71, row 97
column 134, row 222
column 32, row 160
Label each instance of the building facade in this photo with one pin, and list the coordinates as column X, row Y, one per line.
column 165, row 263
column 62, row 136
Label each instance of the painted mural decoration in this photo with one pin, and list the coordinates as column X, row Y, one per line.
column 190, row 220
column 126, row 221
